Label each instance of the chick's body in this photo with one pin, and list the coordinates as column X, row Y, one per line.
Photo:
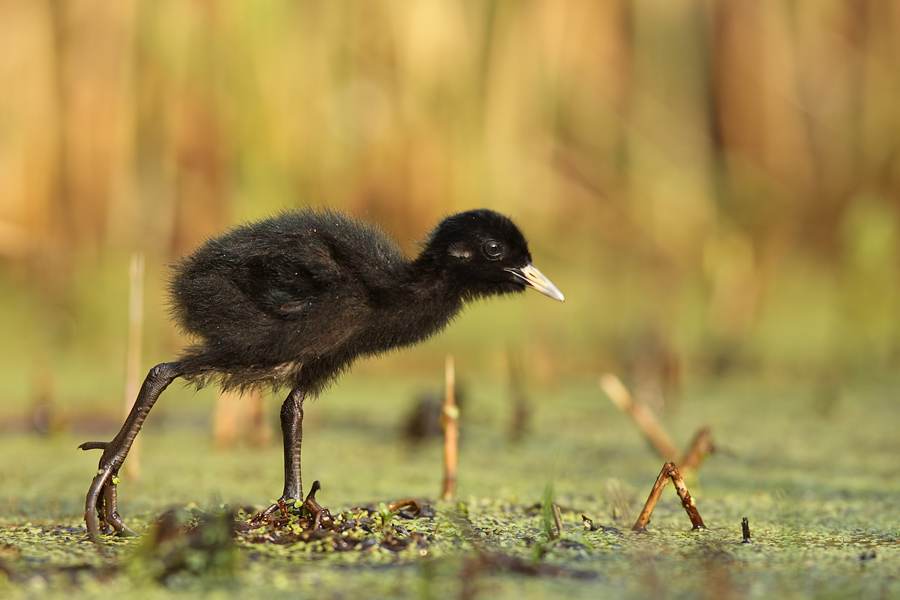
column 294, row 299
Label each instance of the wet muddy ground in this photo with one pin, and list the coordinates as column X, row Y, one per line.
column 814, row 473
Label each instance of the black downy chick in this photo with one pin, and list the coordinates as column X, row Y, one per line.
column 295, row 299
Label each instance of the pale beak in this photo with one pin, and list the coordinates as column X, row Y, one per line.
column 535, row 279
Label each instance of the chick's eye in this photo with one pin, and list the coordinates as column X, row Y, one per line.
column 492, row 249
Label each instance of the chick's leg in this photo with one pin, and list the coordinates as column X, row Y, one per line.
column 101, row 501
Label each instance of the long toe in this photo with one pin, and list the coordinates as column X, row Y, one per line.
column 100, row 506
column 281, row 506
column 111, row 512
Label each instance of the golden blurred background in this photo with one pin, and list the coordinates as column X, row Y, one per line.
column 713, row 184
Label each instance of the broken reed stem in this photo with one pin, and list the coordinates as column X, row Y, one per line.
column 557, row 519
column 133, row 352
column 643, row 418
column 669, row 471
column 450, row 422
column 686, row 500
column 745, row 530
column 699, row 448
column 653, row 498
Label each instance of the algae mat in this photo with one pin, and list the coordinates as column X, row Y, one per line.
column 815, row 471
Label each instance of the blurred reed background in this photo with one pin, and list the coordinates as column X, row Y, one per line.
column 713, row 184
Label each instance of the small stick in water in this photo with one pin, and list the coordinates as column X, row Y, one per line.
column 686, row 500
column 669, row 471
column 557, row 519
column 655, row 492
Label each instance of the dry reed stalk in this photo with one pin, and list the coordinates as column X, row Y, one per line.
column 450, row 421
column 655, row 492
column 699, row 448
column 558, row 520
column 669, row 471
column 643, row 418
column 133, row 352
column 687, row 501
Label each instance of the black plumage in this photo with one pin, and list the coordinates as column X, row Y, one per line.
column 295, row 299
